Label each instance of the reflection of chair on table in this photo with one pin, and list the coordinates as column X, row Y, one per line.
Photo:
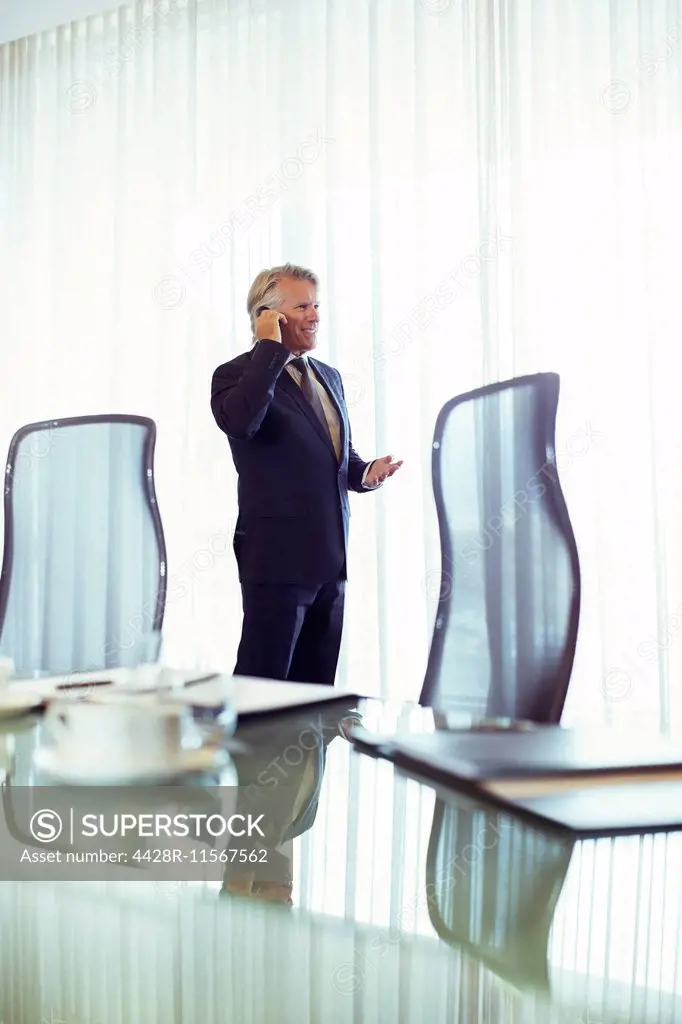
column 503, row 647
column 492, row 888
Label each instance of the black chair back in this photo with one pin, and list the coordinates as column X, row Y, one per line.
column 83, row 585
column 507, row 620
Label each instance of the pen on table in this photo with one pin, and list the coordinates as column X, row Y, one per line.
column 84, row 686
column 109, row 682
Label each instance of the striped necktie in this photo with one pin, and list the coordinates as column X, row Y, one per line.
column 310, row 390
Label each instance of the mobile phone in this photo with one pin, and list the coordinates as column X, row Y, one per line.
column 261, row 309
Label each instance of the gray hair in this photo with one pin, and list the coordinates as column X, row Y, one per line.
column 265, row 289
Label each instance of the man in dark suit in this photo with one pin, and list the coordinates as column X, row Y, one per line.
column 285, row 416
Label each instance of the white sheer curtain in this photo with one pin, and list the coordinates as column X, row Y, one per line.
column 486, row 189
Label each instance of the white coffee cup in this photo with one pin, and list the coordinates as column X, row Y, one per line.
column 121, row 737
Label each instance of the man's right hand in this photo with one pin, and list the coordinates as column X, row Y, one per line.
column 267, row 325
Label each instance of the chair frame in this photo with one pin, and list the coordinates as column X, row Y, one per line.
column 505, row 968
column 148, row 489
column 548, row 385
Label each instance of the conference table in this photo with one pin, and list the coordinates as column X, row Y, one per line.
column 388, row 900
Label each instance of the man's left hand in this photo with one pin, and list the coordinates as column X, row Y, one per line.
column 380, row 470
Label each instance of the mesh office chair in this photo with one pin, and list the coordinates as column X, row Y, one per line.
column 507, row 622
column 503, row 647
column 83, row 583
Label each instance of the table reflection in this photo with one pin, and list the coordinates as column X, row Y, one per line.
column 386, row 900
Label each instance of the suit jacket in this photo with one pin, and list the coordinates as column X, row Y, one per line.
column 293, row 491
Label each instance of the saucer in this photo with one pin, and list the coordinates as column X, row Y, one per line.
column 187, row 762
column 13, row 704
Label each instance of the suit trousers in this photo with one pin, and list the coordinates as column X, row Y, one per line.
column 291, row 632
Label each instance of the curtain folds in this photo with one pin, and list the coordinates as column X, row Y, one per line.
column 485, row 189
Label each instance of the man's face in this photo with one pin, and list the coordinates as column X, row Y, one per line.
column 299, row 305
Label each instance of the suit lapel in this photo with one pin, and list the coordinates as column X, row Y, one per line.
column 289, row 385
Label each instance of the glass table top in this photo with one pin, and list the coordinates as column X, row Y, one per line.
column 388, row 900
